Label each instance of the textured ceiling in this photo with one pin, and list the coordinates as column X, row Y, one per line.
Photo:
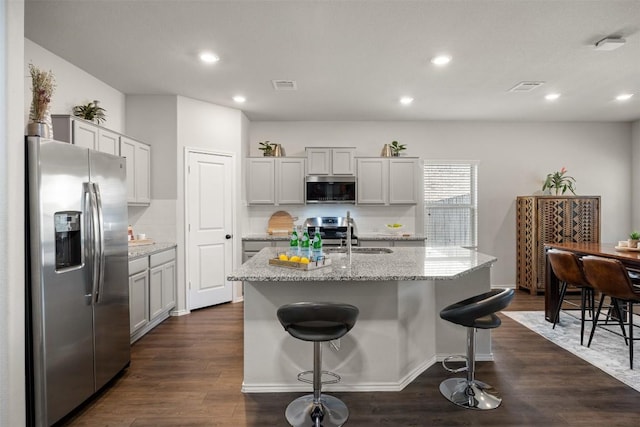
column 353, row 60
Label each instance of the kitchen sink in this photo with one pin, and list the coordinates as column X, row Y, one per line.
column 372, row 251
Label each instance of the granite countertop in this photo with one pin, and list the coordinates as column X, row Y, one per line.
column 369, row 236
column 389, row 236
column 404, row 263
column 146, row 250
column 266, row 237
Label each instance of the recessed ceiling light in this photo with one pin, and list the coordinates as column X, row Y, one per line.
column 624, row 96
column 209, row 57
column 239, row 99
column 406, row 100
column 441, row 60
column 552, row 96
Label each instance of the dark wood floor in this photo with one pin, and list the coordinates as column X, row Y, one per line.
column 188, row 372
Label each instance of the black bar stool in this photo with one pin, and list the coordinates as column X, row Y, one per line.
column 317, row 322
column 566, row 267
column 477, row 312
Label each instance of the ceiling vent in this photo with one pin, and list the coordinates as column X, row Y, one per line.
column 526, row 86
column 609, row 43
column 284, row 84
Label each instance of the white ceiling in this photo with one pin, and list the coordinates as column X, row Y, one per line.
column 353, row 60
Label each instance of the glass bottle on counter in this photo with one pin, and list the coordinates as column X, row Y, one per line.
column 305, row 245
column 293, row 243
column 317, row 244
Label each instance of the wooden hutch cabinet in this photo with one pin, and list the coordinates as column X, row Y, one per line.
column 551, row 219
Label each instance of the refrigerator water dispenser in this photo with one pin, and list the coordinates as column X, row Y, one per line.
column 68, row 239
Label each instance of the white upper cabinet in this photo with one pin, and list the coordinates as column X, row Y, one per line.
column 85, row 134
column 387, row 181
column 330, row 161
column 138, row 160
column 275, row 180
column 373, row 177
column 404, row 177
column 261, row 181
column 89, row 135
column 290, row 181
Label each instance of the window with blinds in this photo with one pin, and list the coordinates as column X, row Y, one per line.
column 450, row 203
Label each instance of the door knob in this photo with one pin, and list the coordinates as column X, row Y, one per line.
column 228, row 236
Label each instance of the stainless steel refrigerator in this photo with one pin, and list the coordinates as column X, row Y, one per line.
column 78, row 292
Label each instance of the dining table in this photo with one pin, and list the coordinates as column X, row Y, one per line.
column 629, row 257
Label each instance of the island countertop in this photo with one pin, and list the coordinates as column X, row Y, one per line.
column 403, row 263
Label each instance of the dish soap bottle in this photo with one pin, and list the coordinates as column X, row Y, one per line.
column 305, row 250
column 293, row 243
column 317, row 245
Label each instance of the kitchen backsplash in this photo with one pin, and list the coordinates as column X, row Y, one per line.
column 157, row 221
column 369, row 219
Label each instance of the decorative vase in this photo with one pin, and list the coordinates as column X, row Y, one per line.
column 277, row 150
column 40, row 129
column 633, row 243
column 386, row 151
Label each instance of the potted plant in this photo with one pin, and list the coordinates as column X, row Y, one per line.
column 634, row 238
column 42, row 86
column 559, row 182
column 267, row 148
column 92, row 112
column 396, row 148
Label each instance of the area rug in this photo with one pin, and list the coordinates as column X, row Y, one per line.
column 607, row 352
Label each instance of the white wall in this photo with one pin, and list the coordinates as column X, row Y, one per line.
column 153, row 120
column 635, row 185
column 12, row 280
column 73, row 87
column 213, row 128
column 514, row 160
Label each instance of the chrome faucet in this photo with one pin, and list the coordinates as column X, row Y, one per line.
column 349, row 226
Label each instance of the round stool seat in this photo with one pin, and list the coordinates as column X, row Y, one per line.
column 479, row 311
column 317, row 321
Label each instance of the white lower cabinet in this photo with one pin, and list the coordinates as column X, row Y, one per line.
column 138, row 294
column 252, row 247
column 152, row 291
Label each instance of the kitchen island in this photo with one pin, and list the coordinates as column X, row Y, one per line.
column 398, row 335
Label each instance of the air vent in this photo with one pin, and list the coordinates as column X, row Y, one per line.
column 284, row 84
column 526, row 86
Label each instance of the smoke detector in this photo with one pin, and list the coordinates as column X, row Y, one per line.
column 609, row 43
column 284, row 84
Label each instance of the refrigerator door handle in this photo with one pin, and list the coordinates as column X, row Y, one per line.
column 99, row 242
column 89, row 237
column 93, row 244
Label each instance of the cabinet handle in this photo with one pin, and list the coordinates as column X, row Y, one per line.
column 228, row 236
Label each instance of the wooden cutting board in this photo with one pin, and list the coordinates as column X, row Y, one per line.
column 280, row 223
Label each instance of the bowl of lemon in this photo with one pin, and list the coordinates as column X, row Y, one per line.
column 394, row 228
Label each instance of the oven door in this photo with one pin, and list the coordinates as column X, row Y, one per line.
column 327, row 189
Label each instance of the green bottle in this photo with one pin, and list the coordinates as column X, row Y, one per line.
column 305, row 245
column 317, row 244
column 293, row 243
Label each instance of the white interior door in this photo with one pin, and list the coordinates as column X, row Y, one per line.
column 210, row 226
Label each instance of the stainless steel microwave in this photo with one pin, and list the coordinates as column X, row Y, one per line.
column 330, row 189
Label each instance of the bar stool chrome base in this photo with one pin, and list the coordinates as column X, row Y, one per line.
column 335, row 412
column 472, row 395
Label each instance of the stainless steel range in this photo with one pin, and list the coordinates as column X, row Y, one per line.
column 333, row 230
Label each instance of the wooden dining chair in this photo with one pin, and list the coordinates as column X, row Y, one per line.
column 610, row 277
column 566, row 266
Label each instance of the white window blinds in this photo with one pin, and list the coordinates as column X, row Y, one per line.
column 450, row 196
